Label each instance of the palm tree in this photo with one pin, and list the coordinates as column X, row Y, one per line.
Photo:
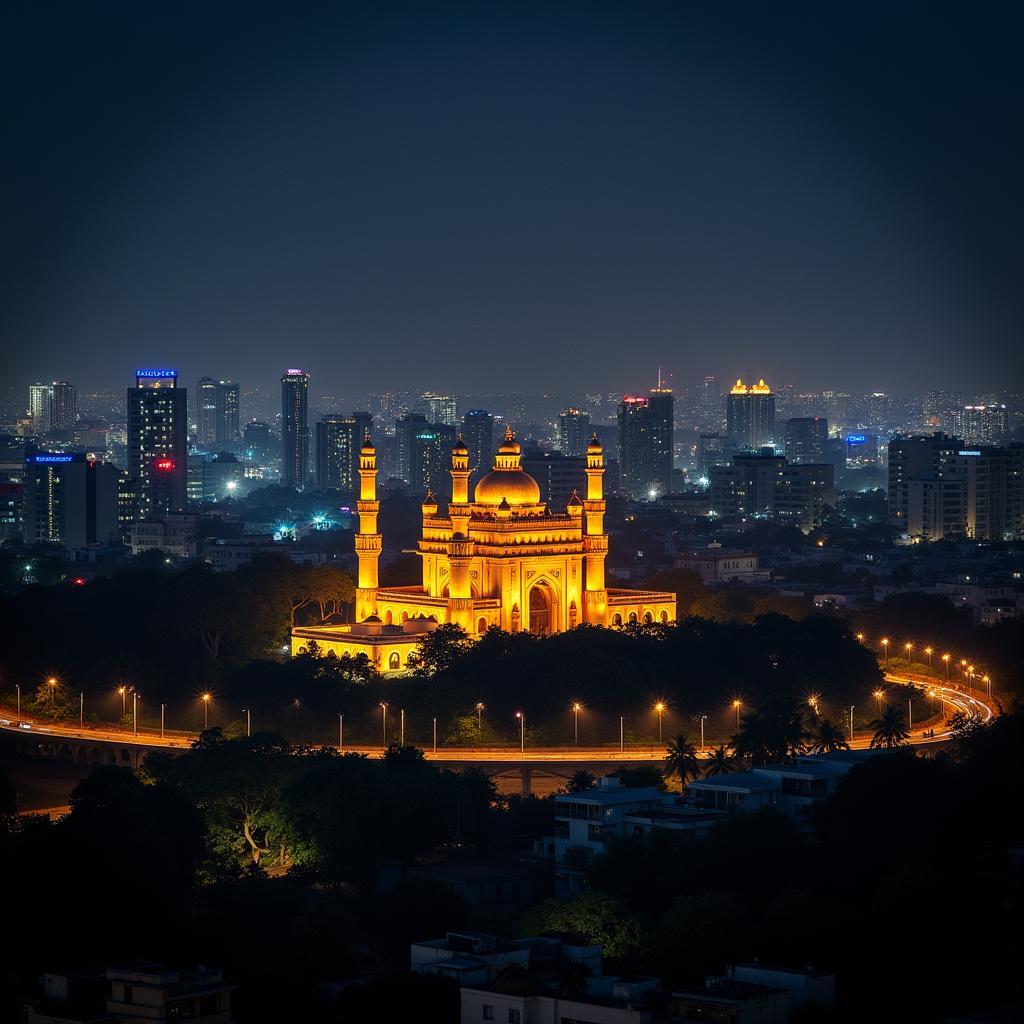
column 720, row 762
column 890, row 728
column 580, row 782
column 828, row 736
column 774, row 732
column 681, row 759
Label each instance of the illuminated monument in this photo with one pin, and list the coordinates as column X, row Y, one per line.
column 501, row 559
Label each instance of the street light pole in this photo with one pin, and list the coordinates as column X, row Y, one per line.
column 401, row 731
column 479, row 724
column 522, row 731
column 737, row 705
column 81, row 711
column 248, row 722
column 341, row 731
column 576, row 724
column 910, row 713
column 435, row 735
column 702, row 717
column 163, row 708
column 384, row 722
column 622, row 733
column 135, row 713
column 851, row 721
column 121, row 690
column 17, row 686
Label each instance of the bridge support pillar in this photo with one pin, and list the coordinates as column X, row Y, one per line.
column 526, row 775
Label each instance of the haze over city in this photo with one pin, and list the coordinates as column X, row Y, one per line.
column 395, row 196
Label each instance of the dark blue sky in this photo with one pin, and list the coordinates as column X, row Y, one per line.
column 459, row 195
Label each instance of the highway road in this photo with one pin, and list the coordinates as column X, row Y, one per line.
column 954, row 699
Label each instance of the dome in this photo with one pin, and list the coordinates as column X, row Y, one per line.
column 516, row 486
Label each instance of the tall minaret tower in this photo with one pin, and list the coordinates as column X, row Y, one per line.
column 368, row 541
column 595, row 540
column 460, row 547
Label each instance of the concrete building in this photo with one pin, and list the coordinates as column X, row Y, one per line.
column 646, row 425
column 716, row 564
column 135, row 993
column 993, row 492
column 750, row 416
column 921, row 457
column 174, row 534
column 559, row 476
column 338, row 441
column 70, row 500
column 157, row 435
column 478, row 435
column 982, row 424
column 294, row 428
column 805, row 439
column 573, row 432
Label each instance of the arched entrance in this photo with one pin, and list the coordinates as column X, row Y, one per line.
column 542, row 602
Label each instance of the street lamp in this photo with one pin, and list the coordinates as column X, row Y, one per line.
column 860, row 637
column 814, row 700
column 52, row 683
column 928, row 651
column 341, row 732
column 122, row 690
column 736, row 705
column 384, row 721
column 207, row 697
column 885, row 647
column 851, row 722
column 401, row 729
column 522, row 731
column 622, row 733
column 135, row 713
column 81, row 711
column 480, row 723
column 660, row 708
column 945, row 658
column 17, row 687
column 988, row 683
column 577, row 707
column 702, row 717
column 879, row 694
column 163, row 708
column 248, row 721
column 909, row 647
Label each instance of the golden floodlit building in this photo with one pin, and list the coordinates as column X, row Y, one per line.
column 500, row 558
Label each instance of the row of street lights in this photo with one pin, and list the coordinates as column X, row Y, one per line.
column 969, row 670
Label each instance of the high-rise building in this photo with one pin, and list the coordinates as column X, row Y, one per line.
column 258, row 441
column 226, row 430
column 993, row 485
column 63, row 405
column 478, row 435
column 442, row 409
column 157, row 436
column 339, row 439
column 709, row 406
column 557, row 475
column 806, row 437
column 573, row 433
column 206, row 411
column 646, row 428
column 861, row 449
column 40, row 399
column 406, row 430
column 431, row 460
column 294, row 428
column 70, row 500
column 940, row 406
column 767, row 485
column 750, row 415
column 712, row 450
column 922, row 457
column 982, row 424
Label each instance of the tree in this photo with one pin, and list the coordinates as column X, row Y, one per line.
column 721, row 762
column 890, row 728
column 580, row 782
column 774, row 731
column 53, row 702
column 601, row 918
column 681, row 760
column 640, row 776
column 827, row 736
column 440, row 649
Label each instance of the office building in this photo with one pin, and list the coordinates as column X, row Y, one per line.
column 712, row 450
column 940, row 406
column 430, row 465
column 573, row 432
column 993, row 492
column 559, row 476
column 767, row 485
column 709, row 405
column 206, row 411
column 228, row 406
column 294, row 428
column 861, row 450
column 406, row 429
column 935, row 508
column 750, row 415
column 443, row 409
column 921, row 457
column 63, row 405
column 40, row 397
column 646, row 427
column 70, row 500
column 982, row 424
column 157, row 435
column 478, row 435
column 806, row 437
column 338, row 441
column 259, row 441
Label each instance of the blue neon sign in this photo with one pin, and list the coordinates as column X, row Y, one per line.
column 856, row 438
column 156, row 374
column 51, row 458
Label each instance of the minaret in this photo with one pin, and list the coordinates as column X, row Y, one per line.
column 460, row 547
column 368, row 540
column 595, row 540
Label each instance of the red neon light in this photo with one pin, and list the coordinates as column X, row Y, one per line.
column 165, row 465
column 79, row 581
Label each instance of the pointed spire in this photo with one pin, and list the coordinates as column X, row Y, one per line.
column 509, row 432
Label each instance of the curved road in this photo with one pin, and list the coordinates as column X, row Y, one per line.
column 955, row 700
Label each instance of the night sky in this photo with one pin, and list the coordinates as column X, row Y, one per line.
column 525, row 195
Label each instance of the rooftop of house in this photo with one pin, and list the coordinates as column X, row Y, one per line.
column 750, row 782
